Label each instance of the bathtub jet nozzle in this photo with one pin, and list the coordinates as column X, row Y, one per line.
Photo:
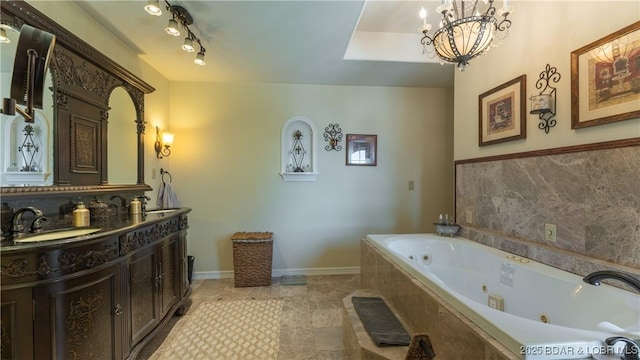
column 595, row 278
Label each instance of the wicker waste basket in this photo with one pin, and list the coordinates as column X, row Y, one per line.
column 252, row 257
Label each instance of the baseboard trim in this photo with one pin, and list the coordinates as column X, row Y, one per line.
column 205, row 275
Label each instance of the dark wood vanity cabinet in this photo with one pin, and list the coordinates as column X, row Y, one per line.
column 104, row 299
column 154, row 285
column 80, row 318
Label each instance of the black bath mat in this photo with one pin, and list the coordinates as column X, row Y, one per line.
column 383, row 327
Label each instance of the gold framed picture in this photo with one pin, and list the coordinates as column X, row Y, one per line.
column 502, row 112
column 605, row 79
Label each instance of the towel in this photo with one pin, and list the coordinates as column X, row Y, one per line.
column 167, row 198
column 383, row 327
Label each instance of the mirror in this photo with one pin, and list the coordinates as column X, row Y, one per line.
column 26, row 150
column 121, row 142
column 96, row 126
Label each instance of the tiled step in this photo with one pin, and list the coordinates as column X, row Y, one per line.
column 357, row 341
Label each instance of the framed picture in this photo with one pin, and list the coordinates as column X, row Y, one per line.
column 362, row 150
column 503, row 112
column 605, row 79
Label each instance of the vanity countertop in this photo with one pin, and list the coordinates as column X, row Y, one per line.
column 112, row 227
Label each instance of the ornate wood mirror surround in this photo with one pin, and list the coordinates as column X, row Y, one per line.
column 83, row 79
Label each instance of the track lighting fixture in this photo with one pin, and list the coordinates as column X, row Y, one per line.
column 180, row 17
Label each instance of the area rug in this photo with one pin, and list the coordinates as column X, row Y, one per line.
column 242, row 329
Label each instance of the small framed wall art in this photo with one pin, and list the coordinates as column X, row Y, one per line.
column 502, row 112
column 605, row 79
column 362, row 150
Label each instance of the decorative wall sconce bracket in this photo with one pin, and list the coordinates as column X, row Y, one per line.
column 333, row 134
column 544, row 104
column 162, row 144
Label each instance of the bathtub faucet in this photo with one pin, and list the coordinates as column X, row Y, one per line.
column 595, row 277
column 631, row 349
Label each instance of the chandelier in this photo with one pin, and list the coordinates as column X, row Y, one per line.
column 466, row 31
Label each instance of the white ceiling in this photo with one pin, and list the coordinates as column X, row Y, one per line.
column 337, row 42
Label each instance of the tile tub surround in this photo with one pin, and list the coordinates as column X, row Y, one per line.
column 592, row 196
column 453, row 335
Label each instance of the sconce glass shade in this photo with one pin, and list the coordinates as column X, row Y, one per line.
column 172, row 28
column 188, row 45
column 153, row 8
column 3, row 36
column 200, row 59
column 167, row 139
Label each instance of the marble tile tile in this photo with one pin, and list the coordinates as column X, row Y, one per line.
column 326, row 317
column 328, row 338
column 591, row 196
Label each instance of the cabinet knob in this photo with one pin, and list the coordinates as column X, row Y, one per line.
column 118, row 310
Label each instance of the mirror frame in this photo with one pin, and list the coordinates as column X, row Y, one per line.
column 16, row 13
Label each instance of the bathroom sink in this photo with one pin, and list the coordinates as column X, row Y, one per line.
column 161, row 211
column 56, row 235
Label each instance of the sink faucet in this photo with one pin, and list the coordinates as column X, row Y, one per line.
column 631, row 349
column 595, row 277
column 16, row 220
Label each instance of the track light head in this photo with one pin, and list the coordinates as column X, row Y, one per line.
column 188, row 44
column 153, row 8
column 200, row 58
column 172, row 28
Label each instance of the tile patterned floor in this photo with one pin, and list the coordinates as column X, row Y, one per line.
column 311, row 321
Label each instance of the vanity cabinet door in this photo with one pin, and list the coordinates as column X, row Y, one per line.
column 144, row 283
column 17, row 324
column 170, row 272
column 80, row 317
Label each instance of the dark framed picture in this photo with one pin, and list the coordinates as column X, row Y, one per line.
column 605, row 79
column 362, row 150
column 502, row 112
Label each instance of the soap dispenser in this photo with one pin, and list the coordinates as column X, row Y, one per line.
column 80, row 216
column 135, row 206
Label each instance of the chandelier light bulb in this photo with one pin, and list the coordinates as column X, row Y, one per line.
column 172, row 28
column 153, row 8
column 200, row 58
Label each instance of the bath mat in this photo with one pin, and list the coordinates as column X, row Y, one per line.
column 293, row 280
column 381, row 324
column 246, row 329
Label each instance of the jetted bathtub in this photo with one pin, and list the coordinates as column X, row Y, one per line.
column 547, row 313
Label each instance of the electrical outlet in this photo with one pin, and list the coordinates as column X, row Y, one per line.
column 469, row 217
column 411, row 185
column 550, row 232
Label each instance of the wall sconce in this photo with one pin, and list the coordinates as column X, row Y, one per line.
column 165, row 141
column 333, row 135
column 544, row 104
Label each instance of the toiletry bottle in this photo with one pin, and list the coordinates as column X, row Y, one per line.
column 135, row 206
column 80, row 216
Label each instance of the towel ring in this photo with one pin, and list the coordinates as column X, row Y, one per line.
column 162, row 173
